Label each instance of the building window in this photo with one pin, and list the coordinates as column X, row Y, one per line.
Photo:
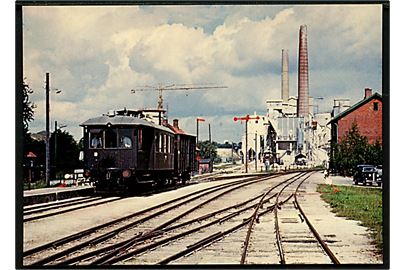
column 375, row 106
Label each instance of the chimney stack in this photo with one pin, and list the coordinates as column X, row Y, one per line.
column 303, row 88
column 284, row 76
column 176, row 123
column 367, row 93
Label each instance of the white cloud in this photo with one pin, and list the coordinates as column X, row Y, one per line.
column 97, row 54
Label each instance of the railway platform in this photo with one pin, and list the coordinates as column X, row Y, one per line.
column 43, row 195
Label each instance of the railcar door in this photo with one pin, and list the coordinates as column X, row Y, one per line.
column 143, row 154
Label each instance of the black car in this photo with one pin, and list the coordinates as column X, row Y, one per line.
column 379, row 171
column 367, row 175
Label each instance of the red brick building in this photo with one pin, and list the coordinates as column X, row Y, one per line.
column 367, row 113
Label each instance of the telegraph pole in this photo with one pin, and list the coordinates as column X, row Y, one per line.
column 209, row 138
column 47, row 157
column 209, row 132
column 55, row 137
column 256, row 151
column 246, row 144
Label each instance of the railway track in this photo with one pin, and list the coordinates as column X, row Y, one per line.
column 60, row 207
column 39, row 211
column 179, row 229
column 297, row 239
column 257, row 223
column 101, row 233
column 202, row 225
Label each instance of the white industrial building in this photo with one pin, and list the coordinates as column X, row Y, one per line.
column 256, row 137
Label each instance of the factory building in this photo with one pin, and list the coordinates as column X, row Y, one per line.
column 291, row 132
column 294, row 133
column 367, row 114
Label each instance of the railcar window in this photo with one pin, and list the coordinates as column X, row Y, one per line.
column 156, row 143
column 169, row 143
column 96, row 139
column 164, row 143
column 160, row 142
column 111, row 136
column 125, row 138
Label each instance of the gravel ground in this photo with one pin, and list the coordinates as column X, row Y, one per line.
column 39, row 232
column 349, row 240
column 353, row 244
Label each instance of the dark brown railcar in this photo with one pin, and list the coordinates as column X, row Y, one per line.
column 123, row 151
column 185, row 152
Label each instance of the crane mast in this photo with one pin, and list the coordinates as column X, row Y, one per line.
column 174, row 87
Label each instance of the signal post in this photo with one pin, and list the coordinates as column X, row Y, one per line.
column 246, row 119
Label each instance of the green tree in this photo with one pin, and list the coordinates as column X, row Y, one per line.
column 353, row 150
column 67, row 153
column 28, row 110
column 208, row 149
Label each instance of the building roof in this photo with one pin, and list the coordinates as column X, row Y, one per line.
column 355, row 106
column 175, row 129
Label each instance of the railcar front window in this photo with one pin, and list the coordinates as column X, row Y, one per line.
column 111, row 138
column 96, row 139
column 125, row 138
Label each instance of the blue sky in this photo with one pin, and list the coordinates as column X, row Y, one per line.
column 96, row 55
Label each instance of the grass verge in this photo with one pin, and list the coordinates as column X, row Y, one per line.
column 362, row 204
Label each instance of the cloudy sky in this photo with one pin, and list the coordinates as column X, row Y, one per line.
column 97, row 54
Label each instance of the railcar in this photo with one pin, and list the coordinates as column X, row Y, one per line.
column 126, row 152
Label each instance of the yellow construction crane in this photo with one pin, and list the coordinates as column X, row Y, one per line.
column 171, row 87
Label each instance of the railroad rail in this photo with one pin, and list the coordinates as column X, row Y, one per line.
column 220, row 220
column 104, row 236
column 133, row 238
column 303, row 217
column 30, row 215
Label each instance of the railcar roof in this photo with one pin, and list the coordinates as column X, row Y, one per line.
column 123, row 121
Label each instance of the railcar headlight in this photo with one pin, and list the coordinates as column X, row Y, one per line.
column 95, row 154
column 126, row 173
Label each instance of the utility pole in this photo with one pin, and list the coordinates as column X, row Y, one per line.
column 246, row 119
column 209, row 138
column 209, row 132
column 256, row 151
column 246, row 144
column 47, row 157
column 55, row 135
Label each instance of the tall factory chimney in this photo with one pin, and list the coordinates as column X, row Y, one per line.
column 303, row 89
column 284, row 76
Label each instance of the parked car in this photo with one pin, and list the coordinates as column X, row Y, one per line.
column 366, row 174
column 379, row 174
